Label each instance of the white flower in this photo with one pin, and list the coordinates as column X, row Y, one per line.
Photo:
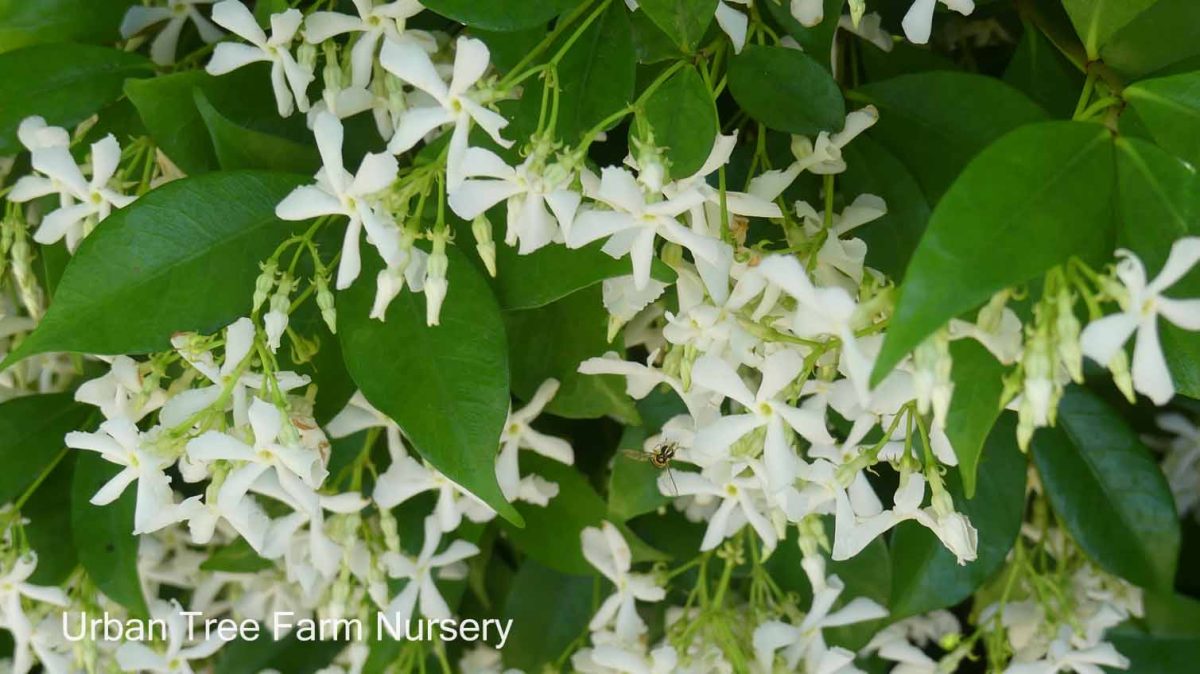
column 853, row 531
column 407, row 477
column 806, row 641
column 739, row 488
column 339, row 193
column 456, row 103
column 35, row 134
column 529, row 189
column 1140, row 310
column 83, row 202
column 610, row 655
column 605, row 549
column 733, row 22
column 519, row 435
column 14, row 588
column 120, row 392
column 374, row 22
column 135, row 656
column 359, row 415
column 176, row 14
column 289, row 79
column 918, row 21
column 1062, row 656
column 119, row 441
column 808, row 12
column 822, row 157
column 635, row 222
column 419, row 572
column 764, row 408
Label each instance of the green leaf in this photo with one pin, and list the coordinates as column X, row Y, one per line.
column 1159, row 202
column 817, row 40
column 241, row 148
column 684, row 21
column 237, row 557
column 786, row 90
column 31, row 437
column 553, row 272
column 549, row 610
column 26, row 23
column 1169, row 108
column 288, row 654
column 1096, row 20
column 182, row 257
column 649, row 42
column 49, row 527
column 891, row 239
column 104, row 536
column 167, row 109
column 1043, row 74
column 1150, row 654
column 978, row 384
column 935, row 122
column 65, row 83
column 446, row 385
column 925, row 575
column 500, row 14
column 684, row 121
column 1049, row 183
column 596, row 75
column 1161, row 36
column 633, row 484
column 552, row 341
column 1108, row 490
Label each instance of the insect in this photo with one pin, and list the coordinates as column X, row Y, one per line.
column 660, row 457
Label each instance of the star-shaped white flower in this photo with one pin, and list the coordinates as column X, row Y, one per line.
column 853, row 531
column 806, row 641
column 121, row 392
column 421, row 589
column 407, row 477
column 518, row 435
column 740, row 489
column 176, row 658
column 457, row 103
column 289, row 79
column 339, row 193
column 13, row 589
column 1141, row 308
column 605, row 549
column 373, row 23
column 175, row 14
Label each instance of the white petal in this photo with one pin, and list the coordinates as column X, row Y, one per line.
column 233, row 16
column 1184, row 255
column 1102, row 338
column 470, row 62
column 415, row 124
column 717, row 375
column 410, row 63
column 1150, row 374
column 306, row 202
column 229, row 56
column 320, row 26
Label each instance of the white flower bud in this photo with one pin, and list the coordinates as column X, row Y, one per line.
column 481, row 227
column 436, row 285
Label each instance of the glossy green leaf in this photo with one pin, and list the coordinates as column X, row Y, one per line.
column 925, row 575
column 104, row 536
column 549, row 610
column 786, row 90
column 596, row 76
column 23, row 22
column 1049, row 183
column 1160, row 37
column 552, row 341
column 49, row 528
column 1169, row 107
column 1158, row 203
column 1096, row 20
column 935, row 122
column 1108, row 491
column 683, row 120
column 1042, row 73
column 553, row 272
column 977, row 377
column 167, row 109
column 238, row 147
column 65, row 83
column 684, row 21
column 31, row 437
column 500, row 14
column 816, row 41
column 891, row 239
column 288, row 654
column 446, row 385
column 1149, row 654
column 633, row 483
column 182, row 257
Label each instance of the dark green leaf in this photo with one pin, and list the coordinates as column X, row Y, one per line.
column 633, row 485
column 183, row 257
column 975, row 406
column 1159, row 202
column 891, row 239
column 31, row 437
column 596, row 76
column 241, row 148
column 65, row 83
column 925, row 575
column 552, row 341
column 1150, row 654
column 553, row 272
column 1159, row 37
column 786, row 90
column 49, row 527
column 549, row 610
column 649, row 42
column 1048, row 183
column 446, row 385
column 500, row 14
column 1043, row 74
column 25, row 23
column 167, row 109
column 104, row 536
column 288, row 654
column 237, row 557
column 1169, row 108
column 935, row 122
column 1096, row 20
column 684, row 121
column 684, row 21
column 1108, row 491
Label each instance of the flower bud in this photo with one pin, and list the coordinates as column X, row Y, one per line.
column 264, row 283
column 436, row 285
column 325, row 303
column 481, row 227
